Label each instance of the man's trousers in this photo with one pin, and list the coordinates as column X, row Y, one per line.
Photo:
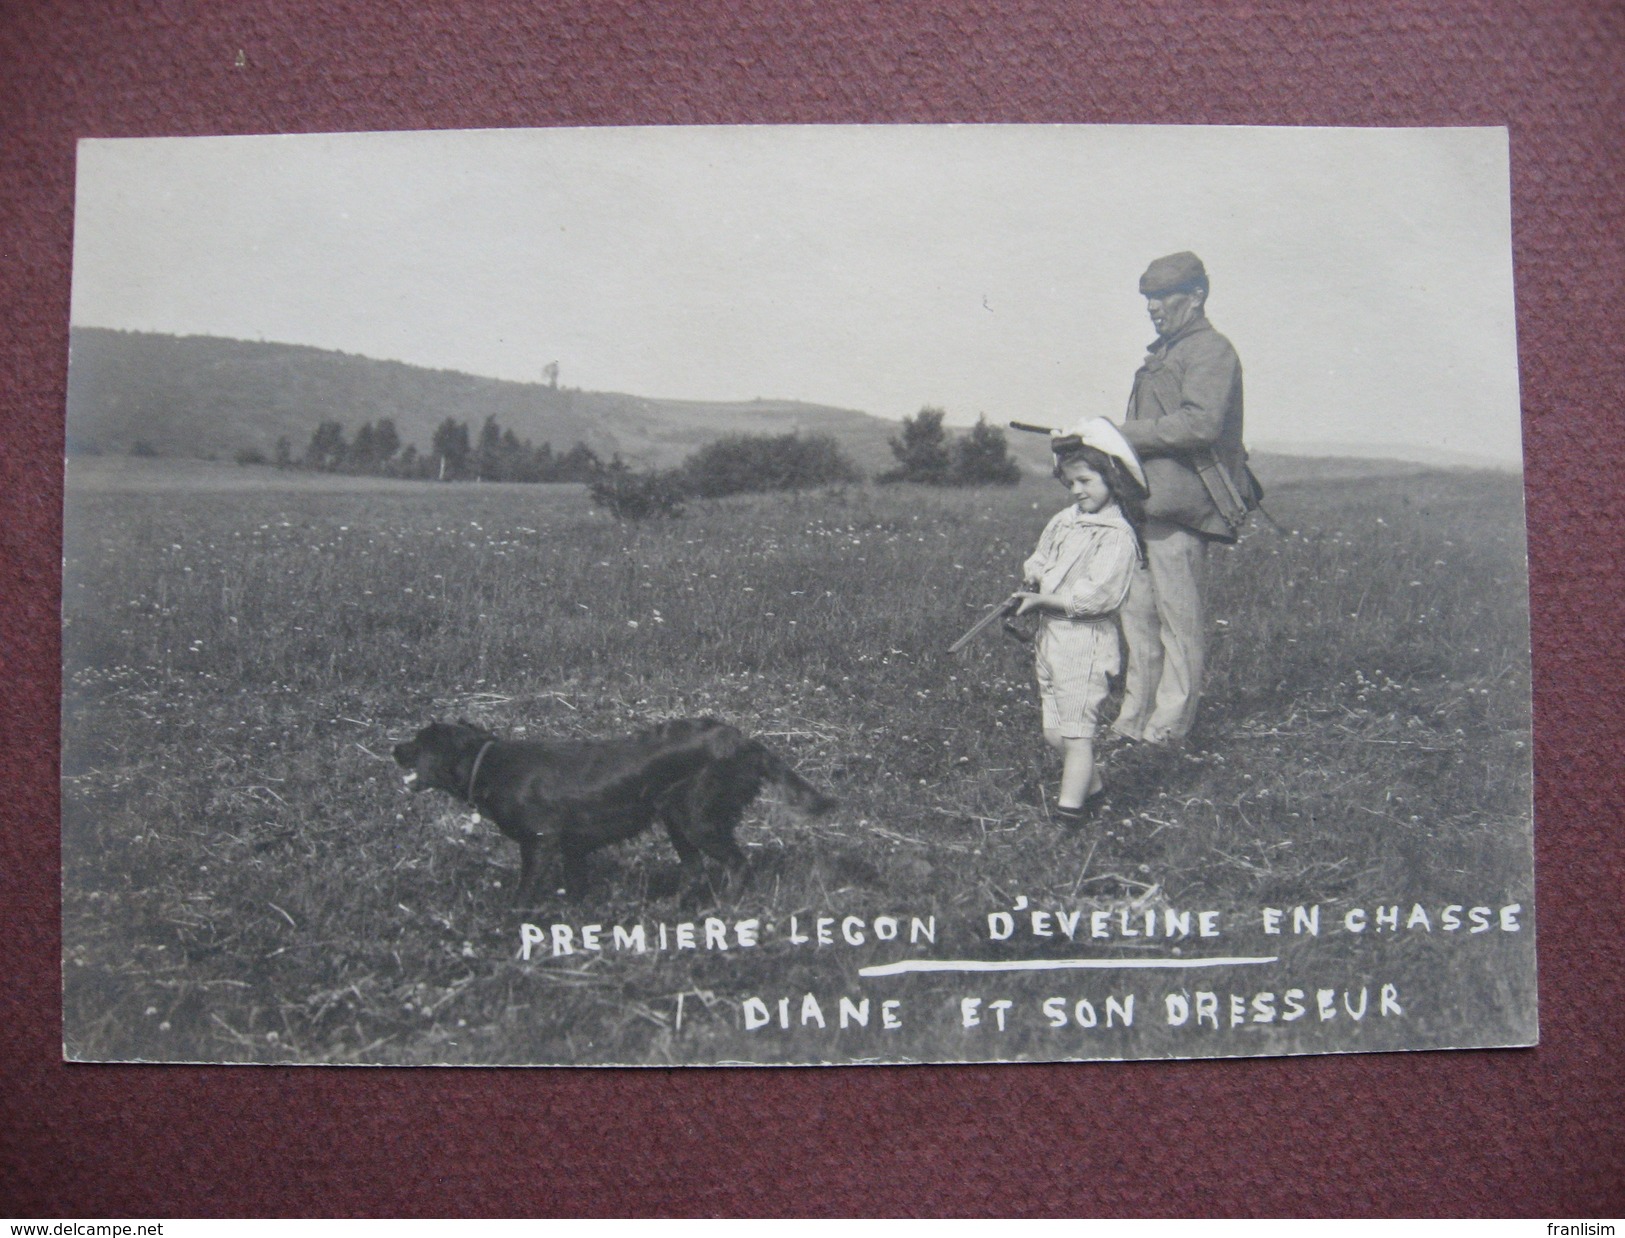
column 1165, row 627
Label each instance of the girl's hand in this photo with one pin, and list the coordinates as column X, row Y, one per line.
column 1032, row 601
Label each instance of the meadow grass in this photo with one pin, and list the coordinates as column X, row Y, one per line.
column 245, row 878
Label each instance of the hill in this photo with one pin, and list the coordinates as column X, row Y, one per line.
column 203, row 397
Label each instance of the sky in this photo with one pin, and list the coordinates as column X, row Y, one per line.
column 1364, row 275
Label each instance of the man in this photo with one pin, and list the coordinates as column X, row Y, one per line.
column 1184, row 417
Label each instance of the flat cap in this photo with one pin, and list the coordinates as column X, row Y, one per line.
column 1175, row 272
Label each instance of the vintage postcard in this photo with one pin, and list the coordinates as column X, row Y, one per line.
column 523, row 597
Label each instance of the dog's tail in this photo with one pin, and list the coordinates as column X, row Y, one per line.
column 760, row 764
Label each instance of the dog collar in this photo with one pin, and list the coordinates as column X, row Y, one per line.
column 475, row 772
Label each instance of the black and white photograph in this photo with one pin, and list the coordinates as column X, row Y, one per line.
column 794, row 595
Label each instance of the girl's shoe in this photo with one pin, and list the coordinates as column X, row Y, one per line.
column 1071, row 818
column 1077, row 818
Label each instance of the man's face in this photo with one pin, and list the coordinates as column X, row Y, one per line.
column 1171, row 311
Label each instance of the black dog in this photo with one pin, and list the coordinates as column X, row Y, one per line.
column 696, row 776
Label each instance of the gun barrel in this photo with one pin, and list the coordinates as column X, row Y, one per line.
column 985, row 622
column 1030, row 428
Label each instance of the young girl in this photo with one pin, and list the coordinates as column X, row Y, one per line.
column 1076, row 580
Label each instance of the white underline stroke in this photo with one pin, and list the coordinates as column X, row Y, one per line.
column 975, row 965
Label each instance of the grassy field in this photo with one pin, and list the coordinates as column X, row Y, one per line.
column 246, row 879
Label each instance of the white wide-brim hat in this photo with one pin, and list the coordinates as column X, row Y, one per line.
column 1102, row 435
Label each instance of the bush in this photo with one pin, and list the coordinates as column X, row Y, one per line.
column 925, row 454
column 982, row 458
column 755, row 463
column 638, row 496
column 247, row 456
column 922, row 452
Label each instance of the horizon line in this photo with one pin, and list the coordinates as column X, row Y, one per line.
column 1413, row 453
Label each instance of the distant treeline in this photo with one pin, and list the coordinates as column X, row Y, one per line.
column 454, row 455
column 746, row 463
column 734, row 464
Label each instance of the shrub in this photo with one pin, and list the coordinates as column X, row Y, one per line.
column 922, row 451
column 982, row 458
column 638, row 496
column 927, row 456
column 755, row 463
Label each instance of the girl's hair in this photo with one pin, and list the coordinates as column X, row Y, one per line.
column 1129, row 495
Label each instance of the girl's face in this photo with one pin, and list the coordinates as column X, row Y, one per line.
column 1086, row 486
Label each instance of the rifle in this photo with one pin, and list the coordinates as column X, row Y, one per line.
column 1227, row 500
column 1004, row 608
column 1028, row 426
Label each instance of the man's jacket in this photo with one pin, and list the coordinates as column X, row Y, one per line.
column 1186, row 403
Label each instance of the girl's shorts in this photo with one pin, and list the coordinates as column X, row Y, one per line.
column 1074, row 657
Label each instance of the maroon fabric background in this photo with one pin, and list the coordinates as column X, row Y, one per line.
column 1525, row 1132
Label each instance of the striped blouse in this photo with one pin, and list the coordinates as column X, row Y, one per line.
column 1088, row 560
